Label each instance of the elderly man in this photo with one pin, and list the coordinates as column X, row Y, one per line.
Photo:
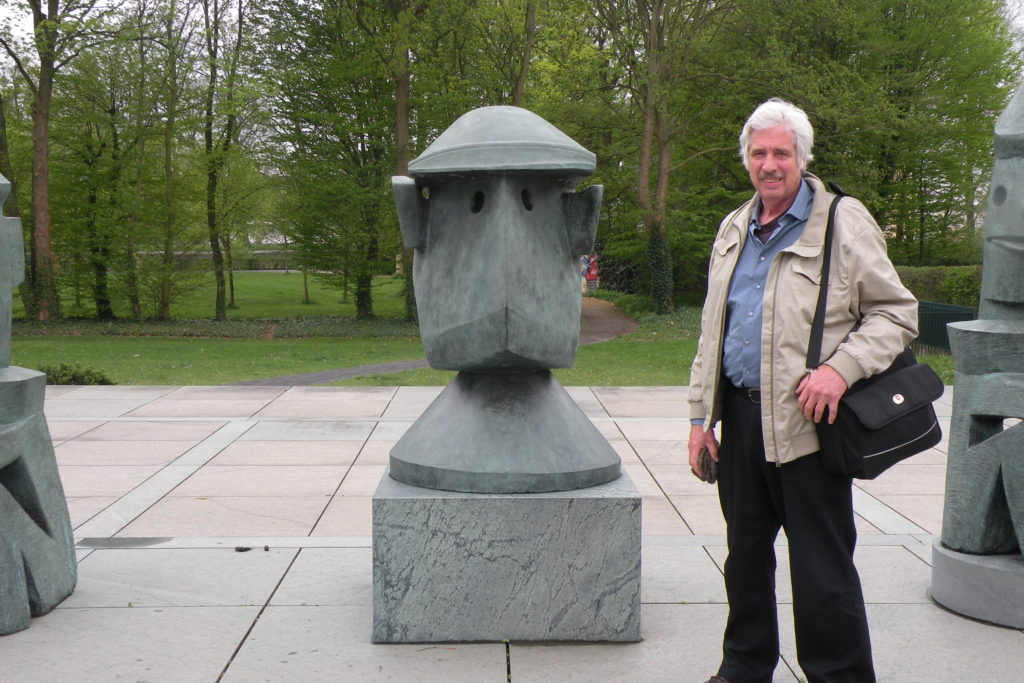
column 749, row 373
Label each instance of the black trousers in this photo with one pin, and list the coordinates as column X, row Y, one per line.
column 816, row 510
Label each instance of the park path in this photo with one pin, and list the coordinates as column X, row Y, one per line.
column 601, row 321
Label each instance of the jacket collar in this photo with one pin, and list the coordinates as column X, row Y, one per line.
column 812, row 238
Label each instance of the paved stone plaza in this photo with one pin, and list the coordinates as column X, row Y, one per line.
column 166, row 485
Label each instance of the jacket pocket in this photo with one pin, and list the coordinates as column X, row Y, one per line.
column 809, row 271
column 722, row 246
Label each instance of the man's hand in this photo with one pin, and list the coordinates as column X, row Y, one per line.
column 698, row 440
column 820, row 389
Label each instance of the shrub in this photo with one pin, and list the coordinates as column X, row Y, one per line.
column 962, row 286
column 922, row 281
column 959, row 285
column 73, row 374
column 633, row 305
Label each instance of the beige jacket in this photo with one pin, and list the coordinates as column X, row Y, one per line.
column 870, row 317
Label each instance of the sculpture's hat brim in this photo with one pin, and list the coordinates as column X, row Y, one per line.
column 493, row 139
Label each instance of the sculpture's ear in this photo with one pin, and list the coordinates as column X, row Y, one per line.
column 581, row 211
column 412, row 211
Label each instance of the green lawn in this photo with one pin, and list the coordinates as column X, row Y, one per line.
column 275, row 294
column 260, row 294
column 160, row 360
column 619, row 362
column 204, row 352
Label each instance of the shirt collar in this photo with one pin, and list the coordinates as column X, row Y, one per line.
column 797, row 213
column 799, row 210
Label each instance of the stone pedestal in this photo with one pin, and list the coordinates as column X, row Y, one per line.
column 37, row 557
column 985, row 587
column 464, row 567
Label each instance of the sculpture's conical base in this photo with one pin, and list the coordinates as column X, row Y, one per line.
column 504, row 433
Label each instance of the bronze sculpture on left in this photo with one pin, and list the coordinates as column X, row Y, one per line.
column 37, row 554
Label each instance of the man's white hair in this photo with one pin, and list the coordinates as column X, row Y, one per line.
column 776, row 112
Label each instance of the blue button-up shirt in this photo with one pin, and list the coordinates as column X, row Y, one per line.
column 741, row 352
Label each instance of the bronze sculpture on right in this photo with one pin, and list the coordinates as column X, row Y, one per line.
column 977, row 567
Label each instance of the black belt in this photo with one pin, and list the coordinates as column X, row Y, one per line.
column 752, row 395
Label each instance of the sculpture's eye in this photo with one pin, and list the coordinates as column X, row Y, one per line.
column 478, row 202
column 425, row 192
column 527, row 202
column 999, row 195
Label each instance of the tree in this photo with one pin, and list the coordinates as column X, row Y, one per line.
column 334, row 117
column 653, row 44
column 177, row 64
column 60, row 32
column 220, row 122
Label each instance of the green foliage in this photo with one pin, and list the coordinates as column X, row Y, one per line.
column 623, row 264
column 960, row 285
column 924, row 282
column 903, row 97
column 942, row 365
column 661, row 271
column 73, row 374
column 633, row 305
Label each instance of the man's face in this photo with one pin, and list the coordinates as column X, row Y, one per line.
column 773, row 166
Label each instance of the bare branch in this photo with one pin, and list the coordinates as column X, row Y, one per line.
column 18, row 64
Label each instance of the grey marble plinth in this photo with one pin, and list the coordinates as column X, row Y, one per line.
column 986, row 587
column 464, row 567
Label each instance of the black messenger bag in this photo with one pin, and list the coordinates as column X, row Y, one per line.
column 882, row 419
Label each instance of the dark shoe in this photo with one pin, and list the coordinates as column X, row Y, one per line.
column 717, row 679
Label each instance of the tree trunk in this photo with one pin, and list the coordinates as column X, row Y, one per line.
column 655, row 133
column 524, row 58
column 364, row 283
column 403, row 93
column 220, row 310
column 170, row 218
column 99, row 256
column 131, row 258
column 661, row 270
column 44, row 286
column 213, row 159
column 229, row 269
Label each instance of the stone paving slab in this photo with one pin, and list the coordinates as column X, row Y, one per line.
column 197, row 577
column 160, row 503
column 166, row 644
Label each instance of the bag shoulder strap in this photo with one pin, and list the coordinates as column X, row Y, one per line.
column 818, row 324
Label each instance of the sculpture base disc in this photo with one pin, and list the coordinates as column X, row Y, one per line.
column 985, row 587
column 504, row 433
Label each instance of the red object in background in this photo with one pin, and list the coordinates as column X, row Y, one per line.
column 590, row 267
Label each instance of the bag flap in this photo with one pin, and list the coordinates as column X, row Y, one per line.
column 880, row 400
